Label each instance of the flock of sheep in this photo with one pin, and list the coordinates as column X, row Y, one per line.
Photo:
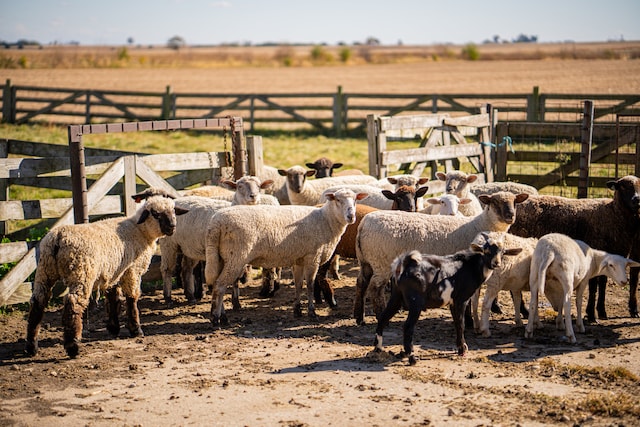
column 503, row 236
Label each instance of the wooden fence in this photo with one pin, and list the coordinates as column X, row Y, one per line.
column 114, row 180
column 337, row 113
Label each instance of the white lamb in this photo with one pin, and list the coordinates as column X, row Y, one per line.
column 512, row 275
column 274, row 236
column 459, row 183
column 306, row 192
column 445, row 204
column 101, row 256
column 383, row 235
column 566, row 265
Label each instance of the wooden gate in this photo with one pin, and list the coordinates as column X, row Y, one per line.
column 444, row 141
column 96, row 199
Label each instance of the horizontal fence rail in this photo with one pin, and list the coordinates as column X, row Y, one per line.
column 336, row 113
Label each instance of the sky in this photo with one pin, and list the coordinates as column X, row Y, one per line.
column 410, row 22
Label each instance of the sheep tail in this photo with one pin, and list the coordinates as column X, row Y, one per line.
column 540, row 273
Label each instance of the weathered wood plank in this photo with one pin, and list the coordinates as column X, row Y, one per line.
column 388, row 123
column 17, row 275
column 428, row 154
column 478, row 121
column 53, row 208
column 153, row 179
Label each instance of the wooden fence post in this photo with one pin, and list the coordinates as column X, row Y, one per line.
column 502, row 131
column 8, row 103
column 586, row 137
column 166, row 104
column 78, row 175
column 533, row 105
column 377, row 143
column 255, row 155
column 239, row 149
column 338, row 106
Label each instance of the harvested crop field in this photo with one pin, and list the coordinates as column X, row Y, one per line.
column 455, row 77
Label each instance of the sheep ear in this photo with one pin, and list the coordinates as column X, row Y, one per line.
column 631, row 263
column 282, row 172
column 143, row 216
column 423, row 181
column 310, row 173
column 512, row 251
column 337, row 165
column 392, row 180
column 229, row 184
column 486, row 199
column 421, row 191
column 311, row 165
column 465, row 201
column 472, row 178
column 266, row 184
column 433, row 201
column 521, row 197
column 611, row 185
column 330, row 196
column 180, row 211
column 441, row 176
column 361, row 196
column 477, row 248
column 137, row 198
column 389, row 194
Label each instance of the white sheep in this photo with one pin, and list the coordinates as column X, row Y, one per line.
column 445, row 204
column 216, row 191
column 565, row 265
column 274, row 236
column 459, row 183
column 306, row 192
column 189, row 238
column 383, row 235
column 512, row 275
column 101, row 256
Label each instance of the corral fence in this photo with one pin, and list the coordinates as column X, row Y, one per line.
column 338, row 113
column 101, row 182
column 568, row 159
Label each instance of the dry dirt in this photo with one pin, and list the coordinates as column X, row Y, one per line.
column 269, row 368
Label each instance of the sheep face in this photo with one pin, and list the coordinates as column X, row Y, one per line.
column 324, row 167
column 456, row 181
column 627, row 191
column 503, row 204
column 343, row 202
column 492, row 249
column 296, row 176
column 405, row 198
column 248, row 188
column 164, row 212
column 615, row 267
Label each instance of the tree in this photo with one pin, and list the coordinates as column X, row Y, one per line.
column 130, row 40
column 176, row 42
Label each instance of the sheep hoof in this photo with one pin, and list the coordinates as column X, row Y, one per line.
column 31, row 349
column 297, row 311
column 462, row 351
column 634, row 314
column 412, row 360
column 72, row 349
column 136, row 332
column 168, row 302
column 332, row 303
column 114, row 329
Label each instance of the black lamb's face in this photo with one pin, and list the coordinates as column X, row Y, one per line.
column 628, row 190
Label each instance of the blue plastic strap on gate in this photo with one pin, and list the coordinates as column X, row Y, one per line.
column 505, row 140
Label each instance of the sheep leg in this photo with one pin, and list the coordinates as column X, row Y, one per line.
column 566, row 307
column 633, row 288
column 310, row 277
column 495, row 307
column 74, row 306
column 376, row 293
column 489, row 296
column 133, row 317
column 392, row 308
column 297, row 279
column 198, row 280
column 186, row 268
column 39, row 300
column 579, row 320
column 522, row 311
column 322, row 287
column 458, row 310
column 168, row 265
column 270, row 282
column 408, row 330
column 533, row 310
column 598, row 286
column 235, row 290
column 335, row 267
column 113, row 310
column 473, row 303
column 362, row 283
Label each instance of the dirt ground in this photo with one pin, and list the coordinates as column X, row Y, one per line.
column 269, row 368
